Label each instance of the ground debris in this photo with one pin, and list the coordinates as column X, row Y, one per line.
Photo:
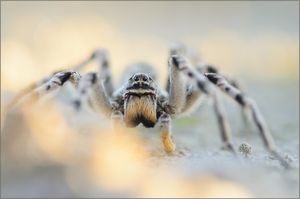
column 245, row 149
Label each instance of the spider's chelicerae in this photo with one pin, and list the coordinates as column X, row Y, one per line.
column 140, row 100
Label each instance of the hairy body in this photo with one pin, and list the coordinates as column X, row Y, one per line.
column 140, row 109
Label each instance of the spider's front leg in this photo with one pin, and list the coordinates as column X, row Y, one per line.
column 164, row 122
column 177, row 89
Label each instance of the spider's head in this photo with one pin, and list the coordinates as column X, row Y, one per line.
column 140, row 101
column 141, row 84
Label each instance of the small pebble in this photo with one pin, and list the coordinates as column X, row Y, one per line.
column 245, row 149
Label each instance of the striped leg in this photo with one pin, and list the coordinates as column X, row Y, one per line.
column 102, row 57
column 223, row 123
column 58, row 80
column 207, row 68
column 204, row 86
column 178, row 48
column 192, row 101
column 91, row 90
column 177, row 88
column 193, row 98
column 244, row 101
column 47, row 86
column 21, row 94
column 250, row 104
column 234, row 93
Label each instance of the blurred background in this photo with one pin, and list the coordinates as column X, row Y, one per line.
column 255, row 42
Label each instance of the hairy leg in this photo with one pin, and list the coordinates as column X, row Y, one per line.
column 91, row 90
column 203, row 86
column 192, row 100
column 177, row 88
column 178, row 48
column 58, row 80
column 250, row 104
column 222, row 123
column 102, row 57
column 246, row 102
column 207, row 68
column 164, row 123
column 21, row 94
column 234, row 93
column 48, row 86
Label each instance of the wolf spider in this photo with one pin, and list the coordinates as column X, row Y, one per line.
column 140, row 100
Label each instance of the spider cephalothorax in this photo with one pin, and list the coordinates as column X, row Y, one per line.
column 139, row 99
column 140, row 104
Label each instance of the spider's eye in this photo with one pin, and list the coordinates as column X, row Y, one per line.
column 145, row 78
column 136, row 78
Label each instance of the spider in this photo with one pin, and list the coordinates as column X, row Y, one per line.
column 140, row 100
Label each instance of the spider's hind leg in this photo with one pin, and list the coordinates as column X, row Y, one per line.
column 193, row 95
column 207, row 68
column 250, row 104
column 222, row 123
column 234, row 93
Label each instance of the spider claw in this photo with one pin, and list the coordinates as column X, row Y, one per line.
column 63, row 77
column 229, row 147
column 281, row 159
column 175, row 60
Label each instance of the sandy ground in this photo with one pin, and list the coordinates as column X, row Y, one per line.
column 33, row 166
